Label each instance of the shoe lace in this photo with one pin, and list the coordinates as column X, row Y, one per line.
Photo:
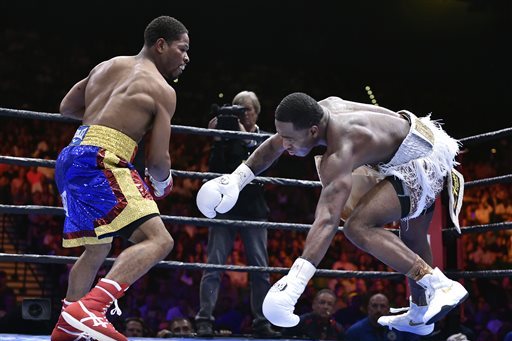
column 116, row 309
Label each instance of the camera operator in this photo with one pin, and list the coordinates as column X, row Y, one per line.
column 225, row 156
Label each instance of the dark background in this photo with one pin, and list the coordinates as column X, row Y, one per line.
column 446, row 57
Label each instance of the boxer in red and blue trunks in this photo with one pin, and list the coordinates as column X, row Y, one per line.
column 121, row 101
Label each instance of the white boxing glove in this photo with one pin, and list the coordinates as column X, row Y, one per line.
column 220, row 194
column 280, row 301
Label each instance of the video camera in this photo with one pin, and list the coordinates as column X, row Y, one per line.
column 228, row 116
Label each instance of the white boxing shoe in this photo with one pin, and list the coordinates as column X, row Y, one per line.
column 442, row 294
column 411, row 321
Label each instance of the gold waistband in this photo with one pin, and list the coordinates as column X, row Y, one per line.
column 112, row 140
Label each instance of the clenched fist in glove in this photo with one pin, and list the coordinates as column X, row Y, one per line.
column 159, row 189
column 280, row 301
column 220, row 194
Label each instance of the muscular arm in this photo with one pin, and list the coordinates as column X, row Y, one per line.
column 158, row 159
column 73, row 104
column 337, row 176
column 265, row 154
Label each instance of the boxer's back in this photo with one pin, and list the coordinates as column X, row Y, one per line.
column 123, row 93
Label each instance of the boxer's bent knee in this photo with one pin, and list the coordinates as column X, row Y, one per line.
column 356, row 230
column 166, row 243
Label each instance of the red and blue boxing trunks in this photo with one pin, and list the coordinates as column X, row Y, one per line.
column 101, row 191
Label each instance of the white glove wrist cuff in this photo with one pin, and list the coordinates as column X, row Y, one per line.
column 302, row 269
column 155, row 181
column 244, row 175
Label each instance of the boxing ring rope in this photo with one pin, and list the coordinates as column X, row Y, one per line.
column 23, row 161
column 59, row 211
column 6, row 112
column 49, row 259
column 34, row 209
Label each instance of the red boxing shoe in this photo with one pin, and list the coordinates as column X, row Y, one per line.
column 89, row 313
column 63, row 331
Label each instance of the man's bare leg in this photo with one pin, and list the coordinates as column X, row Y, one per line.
column 152, row 244
column 364, row 228
column 414, row 234
column 83, row 272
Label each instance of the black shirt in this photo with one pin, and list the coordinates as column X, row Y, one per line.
column 226, row 155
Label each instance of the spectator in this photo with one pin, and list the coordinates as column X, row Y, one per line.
column 319, row 324
column 180, row 326
column 226, row 155
column 135, row 326
column 368, row 329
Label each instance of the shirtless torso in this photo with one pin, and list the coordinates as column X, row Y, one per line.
column 127, row 93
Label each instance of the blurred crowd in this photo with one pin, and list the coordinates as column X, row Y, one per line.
column 164, row 295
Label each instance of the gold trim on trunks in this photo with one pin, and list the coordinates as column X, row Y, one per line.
column 110, row 139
